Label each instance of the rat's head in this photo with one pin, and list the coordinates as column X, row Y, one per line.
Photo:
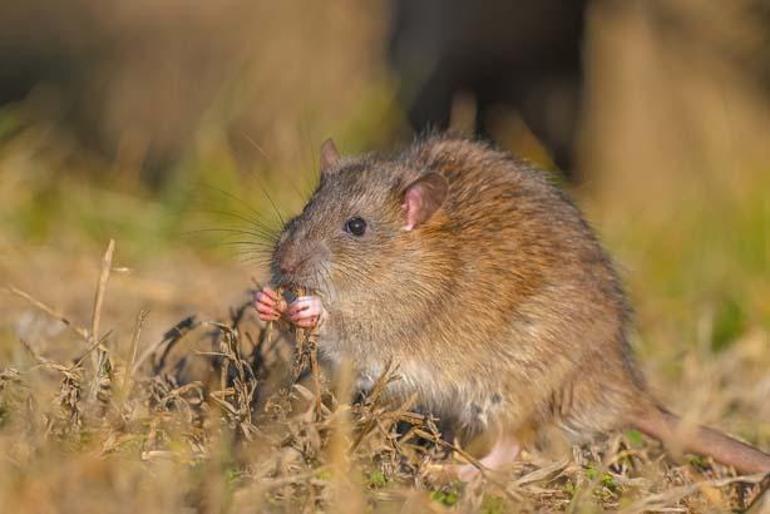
column 357, row 224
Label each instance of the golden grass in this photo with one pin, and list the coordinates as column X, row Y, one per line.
column 209, row 418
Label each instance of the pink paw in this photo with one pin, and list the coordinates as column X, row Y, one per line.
column 306, row 311
column 269, row 304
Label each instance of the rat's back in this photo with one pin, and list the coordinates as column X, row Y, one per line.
column 535, row 307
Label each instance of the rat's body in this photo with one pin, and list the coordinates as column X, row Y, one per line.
column 484, row 284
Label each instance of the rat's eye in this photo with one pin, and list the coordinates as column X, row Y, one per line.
column 356, row 226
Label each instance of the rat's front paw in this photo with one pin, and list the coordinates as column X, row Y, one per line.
column 306, row 312
column 269, row 304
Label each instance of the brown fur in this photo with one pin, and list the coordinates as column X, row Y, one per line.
column 502, row 309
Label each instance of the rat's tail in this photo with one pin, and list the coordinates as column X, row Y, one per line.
column 661, row 424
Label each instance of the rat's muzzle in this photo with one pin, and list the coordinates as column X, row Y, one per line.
column 299, row 266
column 289, row 264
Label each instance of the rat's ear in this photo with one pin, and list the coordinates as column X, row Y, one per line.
column 422, row 198
column 329, row 156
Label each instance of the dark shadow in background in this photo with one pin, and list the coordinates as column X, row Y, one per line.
column 527, row 55
column 522, row 54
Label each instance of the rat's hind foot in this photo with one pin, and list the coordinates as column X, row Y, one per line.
column 306, row 312
column 502, row 454
column 269, row 304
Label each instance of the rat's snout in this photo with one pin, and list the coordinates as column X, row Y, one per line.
column 298, row 263
column 288, row 259
column 288, row 263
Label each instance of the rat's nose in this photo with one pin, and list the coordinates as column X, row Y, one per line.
column 294, row 261
column 288, row 264
column 286, row 267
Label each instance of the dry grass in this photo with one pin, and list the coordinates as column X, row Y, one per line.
column 224, row 416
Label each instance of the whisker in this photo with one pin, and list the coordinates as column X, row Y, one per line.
column 265, row 236
column 250, row 221
column 254, row 259
column 232, row 197
column 270, row 199
column 255, row 244
column 352, row 273
column 253, row 218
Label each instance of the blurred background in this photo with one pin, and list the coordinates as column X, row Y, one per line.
column 171, row 126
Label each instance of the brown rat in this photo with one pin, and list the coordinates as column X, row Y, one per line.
column 483, row 282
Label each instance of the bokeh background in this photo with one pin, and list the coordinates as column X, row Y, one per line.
column 165, row 124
